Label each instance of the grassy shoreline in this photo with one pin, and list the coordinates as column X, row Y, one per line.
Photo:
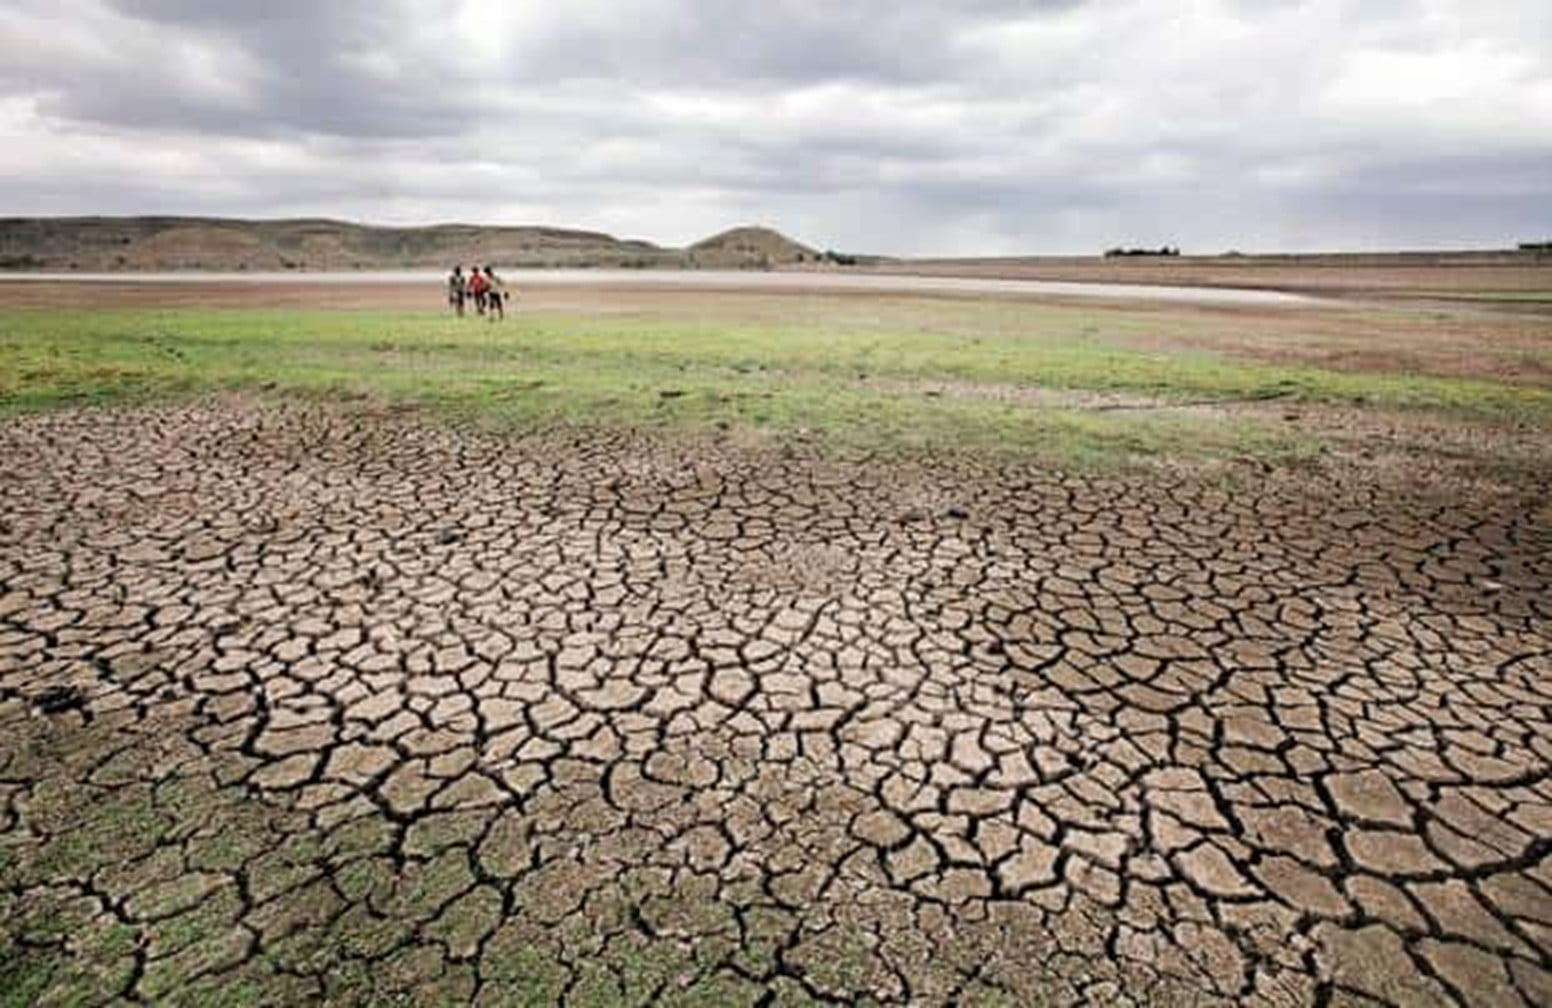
column 1045, row 380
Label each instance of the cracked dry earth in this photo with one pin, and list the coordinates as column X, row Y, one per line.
column 297, row 705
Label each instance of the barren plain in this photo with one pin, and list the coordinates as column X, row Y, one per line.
column 751, row 648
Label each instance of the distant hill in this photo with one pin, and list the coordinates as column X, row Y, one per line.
column 210, row 243
column 744, row 247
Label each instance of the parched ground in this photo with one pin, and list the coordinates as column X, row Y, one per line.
column 300, row 704
column 1524, row 278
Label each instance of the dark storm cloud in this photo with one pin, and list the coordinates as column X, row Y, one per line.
column 753, row 46
column 389, row 69
column 972, row 126
column 244, row 69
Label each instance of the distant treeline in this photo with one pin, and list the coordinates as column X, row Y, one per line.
column 835, row 258
column 1541, row 246
column 1162, row 251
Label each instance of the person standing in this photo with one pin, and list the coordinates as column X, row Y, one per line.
column 477, row 289
column 495, row 294
column 456, row 290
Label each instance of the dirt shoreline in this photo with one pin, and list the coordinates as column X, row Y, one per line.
column 1336, row 279
column 1521, row 281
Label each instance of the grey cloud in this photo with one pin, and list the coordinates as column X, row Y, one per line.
column 753, row 45
column 956, row 127
column 359, row 69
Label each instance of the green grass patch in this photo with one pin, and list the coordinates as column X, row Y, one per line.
column 858, row 380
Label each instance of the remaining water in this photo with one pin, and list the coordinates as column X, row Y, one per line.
column 719, row 279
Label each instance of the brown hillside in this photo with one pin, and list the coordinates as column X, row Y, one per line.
column 222, row 248
column 745, row 247
column 174, row 243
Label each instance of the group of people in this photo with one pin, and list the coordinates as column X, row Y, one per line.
column 486, row 290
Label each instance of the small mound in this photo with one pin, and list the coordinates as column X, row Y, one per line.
column 750, row 246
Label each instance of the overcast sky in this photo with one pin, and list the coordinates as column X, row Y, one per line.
column 937, row 127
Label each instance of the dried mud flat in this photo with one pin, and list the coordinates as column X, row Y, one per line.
column 302, row 705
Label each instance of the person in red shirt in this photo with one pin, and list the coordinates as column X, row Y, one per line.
column 478, row 288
